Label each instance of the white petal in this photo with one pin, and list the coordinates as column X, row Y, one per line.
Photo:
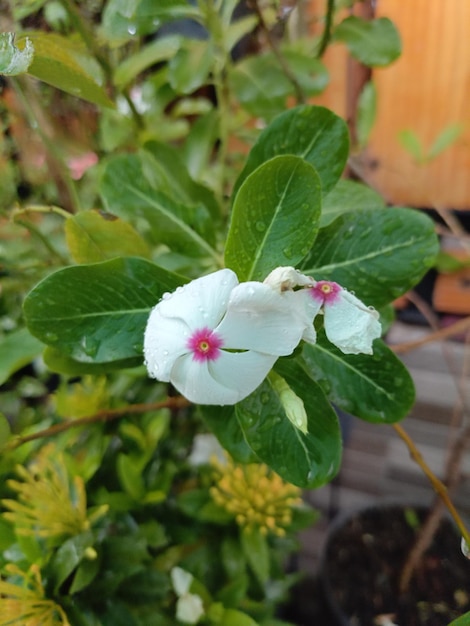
column 202, row 302
column 227, row 380
column 350, row 325
column 164, row 341
column 283, row 278
column 189, row 608
column 242, row 371
column 260, row 319
column 181, row 580
column 305, row 308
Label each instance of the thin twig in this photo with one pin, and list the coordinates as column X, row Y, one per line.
column 299, row 94
column 437, row 484
column 457, row 328
column 106, row 415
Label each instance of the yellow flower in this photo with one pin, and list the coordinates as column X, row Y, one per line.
column 26, row 605
column 48, row 503
column 255, row 496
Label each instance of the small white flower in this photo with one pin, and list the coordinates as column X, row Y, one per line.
column 205, row 448
column 349, row 324
column 189, row 607
column 216, row 340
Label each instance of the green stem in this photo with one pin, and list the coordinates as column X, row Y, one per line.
column 289, row 74
column 49, row 144
column 326, row 36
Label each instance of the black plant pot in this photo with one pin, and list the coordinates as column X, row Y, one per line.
column 363, row 559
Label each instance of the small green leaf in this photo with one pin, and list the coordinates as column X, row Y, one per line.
column 97, row 313
column 15, row 60
column 189, row 68
column 444, row 140
column 306, row 460
column 412, row 144
column 311, row 132
column 68, row 556
column 275, row 218
column 17, row 349
column 161, row 49
column 463, row 620
column 232, row 617
column 94, row 236
column 223, row 423
column 375, row 43
column 366, row 112
column 55, row 62
column 346, row 196
column 129, row 471
column 256, row 552
column 378, row 254
column 376, row 388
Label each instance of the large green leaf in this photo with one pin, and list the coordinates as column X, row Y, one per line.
column 127, row 191
column 61, row 363
column 275, row 217
column 378, row 254
column 313, row 133
column 373, row 42
column 346, row 196
column 224, row 425
column 306, row 460
column 159, row 50
column 463, row 620
column 94, row 236
column 376, row 388
column 97, row 313
column 17, row 349
column 56, row 61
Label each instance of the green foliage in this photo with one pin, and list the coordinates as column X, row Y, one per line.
column 164, row 196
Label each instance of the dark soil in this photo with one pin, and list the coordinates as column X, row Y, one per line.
column 363, row 561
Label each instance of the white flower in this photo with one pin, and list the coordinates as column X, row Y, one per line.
column 349, row 324
column 216, row 340
column 205, row 448
column 189, row 607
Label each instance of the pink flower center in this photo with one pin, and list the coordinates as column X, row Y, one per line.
column 325, row 291
column 205, row 345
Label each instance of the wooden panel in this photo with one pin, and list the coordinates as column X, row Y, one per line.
column 426, row 90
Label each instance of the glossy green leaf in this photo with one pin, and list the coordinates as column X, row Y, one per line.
column 161, row 49
column 97, row 313
column 17, row 349
column 310, row 132
column 378, row 254
column 127, row 192
column 308, row 460
column 239, row 28
column 346, row 196
column 377, row 388
column 55, row 63
column 366, row 113
column 13, row 59
column 256, row 552
column 61, row 363
column 94, row 236
column 412, row 144
column 221, row 420
column 199, row 145
column 445, row 139
column 375, row 43
column 274, row 218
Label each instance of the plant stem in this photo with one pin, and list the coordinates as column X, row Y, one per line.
column 326, row 36
column 36, row 121
column 299, row 94
column 106, row 415
column 444, row 333
column 437, row 484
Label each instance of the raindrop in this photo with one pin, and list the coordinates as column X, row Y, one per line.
column 264, row 397
column 51, row 337
column 132, row 29
column 287, row 252
column 90, row 346
column 165, row 352
column 260, row 226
